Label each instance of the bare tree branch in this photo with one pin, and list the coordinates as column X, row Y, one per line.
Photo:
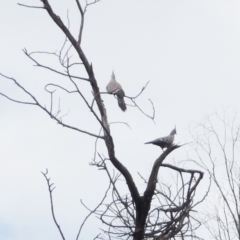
column 81, row 22
column 50, row 189
column 44, row 109
column 133, row 99
column 92, row 211
column 51, row 69
column 23, row 5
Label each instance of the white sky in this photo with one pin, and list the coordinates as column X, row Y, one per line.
column 190, row 52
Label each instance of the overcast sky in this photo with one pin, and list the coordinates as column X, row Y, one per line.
column 188, row 49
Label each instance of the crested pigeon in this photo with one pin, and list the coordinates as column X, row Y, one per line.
column 164, row 142
column 115, row 88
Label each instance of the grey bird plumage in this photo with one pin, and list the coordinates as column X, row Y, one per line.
column 164, row 142
column 115, row 88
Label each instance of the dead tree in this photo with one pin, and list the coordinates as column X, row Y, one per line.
column 138, row 216
column 216, row 147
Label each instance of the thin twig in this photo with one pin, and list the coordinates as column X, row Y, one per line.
column 23, row 5
column 92, row 211
column 50, row 190
column 81, row 22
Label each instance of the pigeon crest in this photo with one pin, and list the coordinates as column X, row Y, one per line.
column 164, row 142
column 115, row 88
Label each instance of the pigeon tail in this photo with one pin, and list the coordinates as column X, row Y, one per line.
column 121, row 103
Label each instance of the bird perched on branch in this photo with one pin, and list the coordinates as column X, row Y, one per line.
column 164, row 142
column 115, row 88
